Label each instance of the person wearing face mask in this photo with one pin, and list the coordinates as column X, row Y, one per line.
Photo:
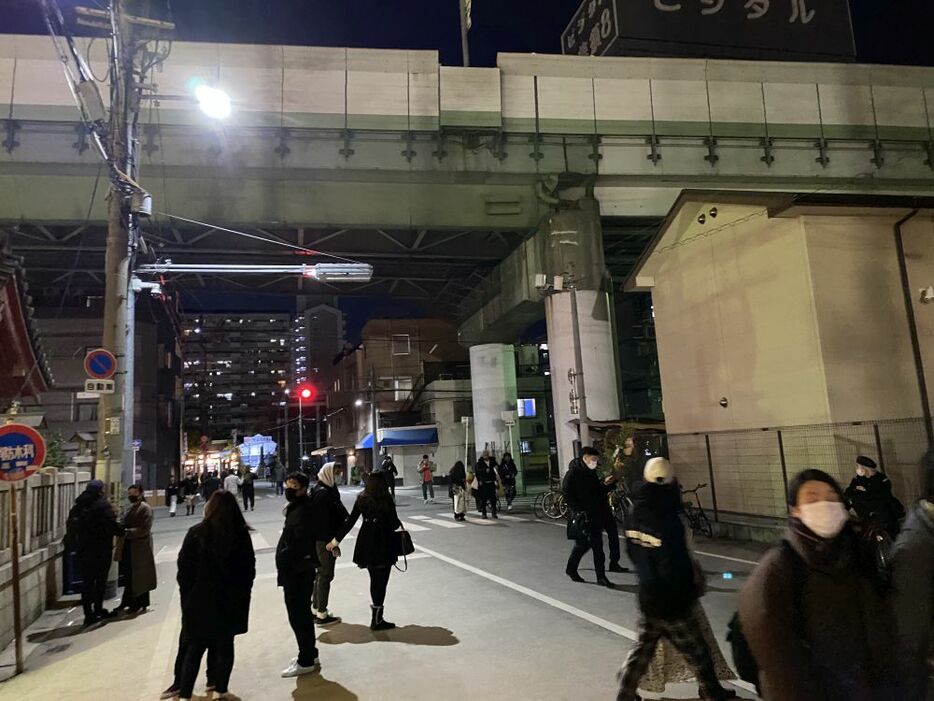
column 670, row 586
column 486, row 478
column 136, row 558
column 584, row 492
column 296, row 565
column 813, row 612
column 870, row 497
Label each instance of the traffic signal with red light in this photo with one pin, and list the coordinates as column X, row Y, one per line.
column 307, row 392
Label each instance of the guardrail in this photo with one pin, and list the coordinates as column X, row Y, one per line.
column 44, row 502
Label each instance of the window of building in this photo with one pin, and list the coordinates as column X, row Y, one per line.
column 525, row 447
column 401, row 344
column 526, row 408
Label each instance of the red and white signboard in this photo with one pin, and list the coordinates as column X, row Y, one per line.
column 100, row 364
column 22, row 452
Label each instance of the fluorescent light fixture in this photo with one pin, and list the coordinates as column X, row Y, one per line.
column 359, row 402
column 215, row 103
column 340, row 272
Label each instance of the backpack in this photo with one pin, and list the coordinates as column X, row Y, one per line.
column 746, row 666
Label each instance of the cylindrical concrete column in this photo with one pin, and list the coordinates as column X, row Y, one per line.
column 595, row 338
column 494, row 389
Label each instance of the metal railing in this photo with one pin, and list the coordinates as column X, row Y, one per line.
column 748, row 471
column 44, row 502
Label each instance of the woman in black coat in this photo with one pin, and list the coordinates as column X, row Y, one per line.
column 216, row 568
column 378, row 542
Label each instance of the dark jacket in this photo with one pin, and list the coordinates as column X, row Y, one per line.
column 171, row 490
column 189, row 487
column 376, row 541
column 485, row 472
column 458, row 476
column 215, row 585
column 247, row 482
column 838, row 643
column 655, row 541
column 327, row 511
column 91, row 527
column 508, row 472
column 296, row 558
column 872, row 500
column 583, row 491
column 389, row 466
column 210, row 485
column 913, row 598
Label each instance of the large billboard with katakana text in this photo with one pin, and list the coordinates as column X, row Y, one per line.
column 783, row 30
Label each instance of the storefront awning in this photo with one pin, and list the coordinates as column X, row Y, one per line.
column 403, row 435
column 321, row 451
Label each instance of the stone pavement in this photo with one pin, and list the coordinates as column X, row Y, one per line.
column 484, row 612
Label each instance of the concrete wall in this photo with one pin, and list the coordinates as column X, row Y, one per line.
column 734, row 318
column 800, row 323
column 864, row 341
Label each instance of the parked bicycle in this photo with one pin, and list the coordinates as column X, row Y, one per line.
column 551, row 504
column 695, row 514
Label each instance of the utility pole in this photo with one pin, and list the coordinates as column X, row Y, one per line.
column 374, row 418
column 126, row 204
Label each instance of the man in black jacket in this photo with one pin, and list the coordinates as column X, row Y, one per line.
column 870, row 496
column 296, row 562
column 584, row 492
column 485, row 477
column 91, row 527
column 328, row 514
column 669, row 584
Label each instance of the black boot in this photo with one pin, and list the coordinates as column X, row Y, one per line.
column 377, row 622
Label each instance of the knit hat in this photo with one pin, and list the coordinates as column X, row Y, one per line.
column 866, row 462
column 658, row 471
column 95, row 486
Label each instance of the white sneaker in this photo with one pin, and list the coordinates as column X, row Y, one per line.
column 219, row 695
column 296, row 670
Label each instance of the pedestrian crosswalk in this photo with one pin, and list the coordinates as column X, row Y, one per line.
column 170, row 553
column 438, row 522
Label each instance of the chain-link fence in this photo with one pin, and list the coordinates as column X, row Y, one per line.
column 747, row 472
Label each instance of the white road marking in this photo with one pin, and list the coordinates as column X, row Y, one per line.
column 342, row 566
column 443, row 524
column 538, row 596
column 414, row 527
column 421, row 518
column 259, row 540
column 473, row 519
column 167, row 554
column 727, row 557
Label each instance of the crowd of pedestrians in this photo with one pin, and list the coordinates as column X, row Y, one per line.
column 841, row 609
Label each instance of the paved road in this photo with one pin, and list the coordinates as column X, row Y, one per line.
column 485, row 612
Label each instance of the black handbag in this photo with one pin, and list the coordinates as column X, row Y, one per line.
column 404, row 547
column 579, row 526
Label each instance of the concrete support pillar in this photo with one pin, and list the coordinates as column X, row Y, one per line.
column 580, row 328
column 494, row 389
column 594, row 337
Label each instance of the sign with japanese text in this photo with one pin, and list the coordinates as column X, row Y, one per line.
column 790, row 30
column 22, row 452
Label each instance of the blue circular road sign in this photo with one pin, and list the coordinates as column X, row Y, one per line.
column 100, row 364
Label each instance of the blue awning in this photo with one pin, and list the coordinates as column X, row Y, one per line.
column 403, row 435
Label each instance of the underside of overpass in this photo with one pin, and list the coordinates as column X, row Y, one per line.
column 441, row 270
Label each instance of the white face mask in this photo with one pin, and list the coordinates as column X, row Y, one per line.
column 825, row 518
column 592, row 464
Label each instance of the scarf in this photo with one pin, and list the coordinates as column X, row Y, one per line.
column 326, row 474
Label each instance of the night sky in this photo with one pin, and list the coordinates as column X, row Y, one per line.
column 887, row 31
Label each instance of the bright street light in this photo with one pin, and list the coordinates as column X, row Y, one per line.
column 359, row 402
column 215, row 103
column 306, row 393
